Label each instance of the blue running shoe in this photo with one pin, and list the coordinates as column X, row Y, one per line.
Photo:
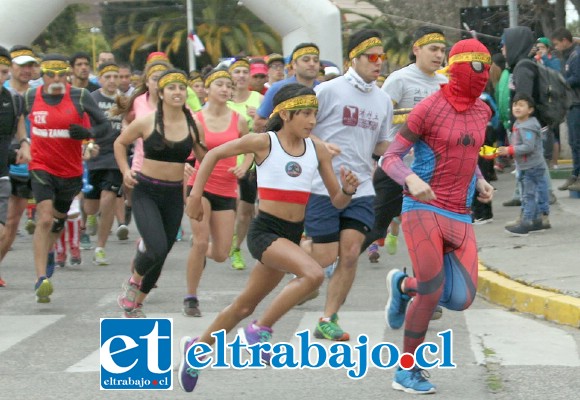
column 397, row 303
column 50, row 263
column 43, row 289
column 187, row 375
column 253, row 334
column 413, row 381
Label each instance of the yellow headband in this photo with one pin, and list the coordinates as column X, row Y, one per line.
column 430, row 38
column 215, row 76
column 108, row 68
column 239, row 64
column 364, row 46
column 304, row 51
column 5, row 61
column 54, row 65
column 18, row 53
column 156, row 68
column 196, row 79
column 172, row 77
column 157, row 57
column 470, row 57
column 297, row 103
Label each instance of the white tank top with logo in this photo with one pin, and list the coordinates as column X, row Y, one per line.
column 286, row 178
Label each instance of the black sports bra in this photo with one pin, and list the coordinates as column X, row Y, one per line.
column 158, row 148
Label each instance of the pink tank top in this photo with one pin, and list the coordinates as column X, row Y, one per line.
column 141, row 107
column 221, row 182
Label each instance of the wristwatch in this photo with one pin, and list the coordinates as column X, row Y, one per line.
column 27, row 140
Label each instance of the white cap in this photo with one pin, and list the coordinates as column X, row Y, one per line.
column 21, row 60
column 331, row 71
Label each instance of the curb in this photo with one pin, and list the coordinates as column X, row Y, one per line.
column 551, row 305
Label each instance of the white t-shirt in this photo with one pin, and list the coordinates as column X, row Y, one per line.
column 408, row 86
column 355, row 121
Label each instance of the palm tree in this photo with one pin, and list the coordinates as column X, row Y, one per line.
column 225, row 28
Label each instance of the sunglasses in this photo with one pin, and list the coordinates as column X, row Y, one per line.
column 373, row 57
column 51, row 73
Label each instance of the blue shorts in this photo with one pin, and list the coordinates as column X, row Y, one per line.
column 324, row 221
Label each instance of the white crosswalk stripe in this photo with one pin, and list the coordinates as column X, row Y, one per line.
column 14, row 329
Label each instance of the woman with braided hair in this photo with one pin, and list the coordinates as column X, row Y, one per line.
column 169, row 136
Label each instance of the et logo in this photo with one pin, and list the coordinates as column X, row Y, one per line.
column 136, row 354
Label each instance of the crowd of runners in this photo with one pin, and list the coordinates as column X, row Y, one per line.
column 309, row 167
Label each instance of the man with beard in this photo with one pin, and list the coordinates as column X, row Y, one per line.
column 81, row 69
column 59, row 119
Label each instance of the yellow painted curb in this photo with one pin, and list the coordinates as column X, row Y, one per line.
column 551, row 305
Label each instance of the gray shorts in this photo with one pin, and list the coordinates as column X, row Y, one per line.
column 5, row 190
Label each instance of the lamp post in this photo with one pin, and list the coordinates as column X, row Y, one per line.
column 94, row 30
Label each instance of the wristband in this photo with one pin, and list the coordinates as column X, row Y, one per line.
column 348, row 194
column 24, row 140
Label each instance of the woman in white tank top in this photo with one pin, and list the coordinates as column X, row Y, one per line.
column 287, row 159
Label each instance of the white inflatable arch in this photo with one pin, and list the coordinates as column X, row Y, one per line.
column 21, row 21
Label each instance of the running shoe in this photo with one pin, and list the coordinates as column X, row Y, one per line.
column 43, row 289
column 50, row 264
column 179, row 236
column 30, row 226
column 122, row 232
column 373, row 253
column 253, row 334
column 75, row 256
column 397, row 302
column 61, row 259
column 92, row 225
column 137, row 312
column 391, row 243
column 86, row 242
column 100, row 257
column 191, row 307
column 237, row 260
column 186, row 375
column 413, row 381
column 330, row 330
column 127, row 300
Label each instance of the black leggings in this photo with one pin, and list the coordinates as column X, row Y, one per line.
column 388, row 202
column 157, row 210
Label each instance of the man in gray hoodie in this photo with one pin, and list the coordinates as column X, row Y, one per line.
column 517, row 46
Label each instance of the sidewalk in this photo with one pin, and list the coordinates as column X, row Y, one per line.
column 538, row 274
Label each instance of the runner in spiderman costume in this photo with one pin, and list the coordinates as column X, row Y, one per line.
column 446, row 131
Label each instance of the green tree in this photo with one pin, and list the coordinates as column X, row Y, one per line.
column 59, row 36
column 226, row 28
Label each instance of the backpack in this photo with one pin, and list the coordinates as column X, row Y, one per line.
column 551, row 95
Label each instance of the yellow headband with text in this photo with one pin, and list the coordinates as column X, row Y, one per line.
column 173, row 77
column 18, row 53
column 297, row 103
column 156, row 68
column 108, row 68
column 239, row 64
column 304, row 51
column 217, row 75
column 55, row 65
column 196, row 79
column 364, row 46
column 470, row 57
column 5, row 61
column 430, row 38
